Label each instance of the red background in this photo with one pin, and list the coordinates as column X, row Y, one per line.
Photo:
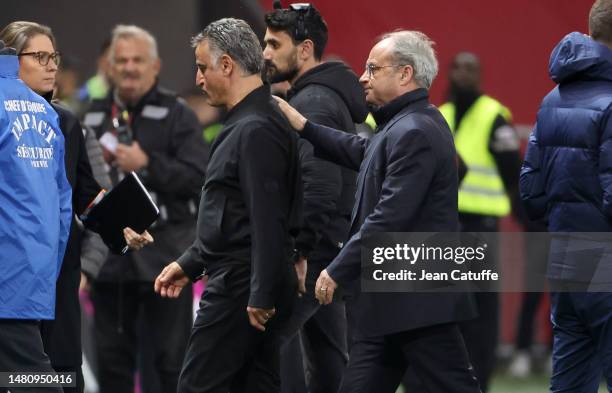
column 513, row 38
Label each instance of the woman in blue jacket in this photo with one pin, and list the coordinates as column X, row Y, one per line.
column 35, row 213
column 39, row 61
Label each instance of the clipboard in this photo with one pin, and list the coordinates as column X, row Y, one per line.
column 128, row 204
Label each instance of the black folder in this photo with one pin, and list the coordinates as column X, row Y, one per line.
column 128, row 204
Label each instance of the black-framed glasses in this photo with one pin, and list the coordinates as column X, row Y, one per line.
column 372, row 68
column 43, row 57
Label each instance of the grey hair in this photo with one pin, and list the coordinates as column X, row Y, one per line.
column 416, row 49
column 131, row 32
column 235, row 38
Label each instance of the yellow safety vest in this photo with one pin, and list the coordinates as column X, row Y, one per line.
column 482, row 190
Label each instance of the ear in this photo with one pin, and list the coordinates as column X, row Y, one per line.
column 306, row 49
column 226, row 65
column 407, row 75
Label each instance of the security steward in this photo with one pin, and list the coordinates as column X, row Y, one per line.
column 488, row 143
column 146, row 129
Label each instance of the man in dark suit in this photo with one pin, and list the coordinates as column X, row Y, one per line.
column 407, row 183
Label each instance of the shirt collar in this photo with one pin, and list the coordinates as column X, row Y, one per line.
column 259, row 97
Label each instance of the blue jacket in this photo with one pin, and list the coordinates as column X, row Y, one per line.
column 566, row 178
column 35, row 199
column 567, row 174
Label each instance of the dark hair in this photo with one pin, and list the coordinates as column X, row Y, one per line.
column 600, row 21
column 18, row 34
column 314, row 26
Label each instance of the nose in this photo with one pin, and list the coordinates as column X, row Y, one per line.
column 128, row 65
column 267, row 54
column 364, row 79
column 199, row 79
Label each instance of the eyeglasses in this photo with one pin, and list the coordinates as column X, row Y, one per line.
column 370, row 68
column 43, row 57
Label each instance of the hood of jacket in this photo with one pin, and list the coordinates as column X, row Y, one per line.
column 341, row 79
column 578, row 55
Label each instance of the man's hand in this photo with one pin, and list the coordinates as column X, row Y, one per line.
column 301, row 267
column 258, row 317
column 296, row 120
column 171, row 281
column 131, row 157
column 324, row 288
column 136, row 241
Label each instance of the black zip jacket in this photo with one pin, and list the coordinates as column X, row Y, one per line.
column 251, row 199
column 329, row 94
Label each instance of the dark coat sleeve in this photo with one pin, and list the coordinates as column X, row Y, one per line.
column 409, row 172
column 605, row 163
column 322, row 182
column 336, row 146
column 181, row 172
column 87, row 188
column 532, row 182
column 504, row 145
column 84, row 187
column 93, row 250
column 191, row 260
column 461, row 168
column 93, row 254
column 322, row 179
column 265, row 185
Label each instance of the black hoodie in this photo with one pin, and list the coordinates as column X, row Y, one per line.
column 329, row 94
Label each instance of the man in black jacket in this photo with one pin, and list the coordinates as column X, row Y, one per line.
column 250, row 202
column 328, row 94
column 407, row 183
column 146, row 129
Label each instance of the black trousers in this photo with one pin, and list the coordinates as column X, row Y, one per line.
column 225, row 353
column 122, row 310
column 436, row 354
column 314, row 335
column 482, row 333
column 537, row 258
column 582, row 349
column 481, row 336
column 21, row 349
column 62, row 336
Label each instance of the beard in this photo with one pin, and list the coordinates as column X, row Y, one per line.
column 276, row 75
